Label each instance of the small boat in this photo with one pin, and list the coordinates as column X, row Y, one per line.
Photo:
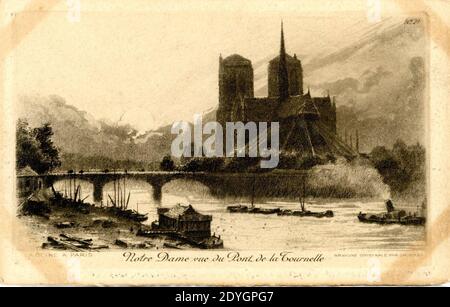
column 171, row 245
column 210, row 243
column 266, row 210
column 72, row 243
column 300, row 213
column 252, row 209
column 384, row 220
column 392, row 216
column 72, row 200
column 238, row 208
column 128, row 214
column 120, row 202
column 303, row 212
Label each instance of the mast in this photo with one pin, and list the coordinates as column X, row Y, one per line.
column 128, row 200
column 74, row 187
column 124, row 192
column 357, row 141
column 119, row 194
column 302, row 196
column 115, row 192
column 253, row 190
column 70, row 187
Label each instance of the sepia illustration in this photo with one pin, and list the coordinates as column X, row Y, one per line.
column 348, row 148
column 222, row 143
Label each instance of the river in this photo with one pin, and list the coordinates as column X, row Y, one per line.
column 241, row 231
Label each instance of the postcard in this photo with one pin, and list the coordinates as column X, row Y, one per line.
column 225, row 142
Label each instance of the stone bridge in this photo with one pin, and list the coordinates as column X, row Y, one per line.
column 275, row 183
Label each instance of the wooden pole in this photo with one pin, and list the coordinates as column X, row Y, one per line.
column 357, row 141
column 124, row 199
column 253, row 189
column 115, row 195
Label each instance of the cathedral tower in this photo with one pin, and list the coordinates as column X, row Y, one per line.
column 285, row 72
column 235, row 84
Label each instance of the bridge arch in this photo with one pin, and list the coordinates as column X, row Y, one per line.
column 184, row 188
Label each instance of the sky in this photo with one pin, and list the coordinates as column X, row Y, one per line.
column 150, row 65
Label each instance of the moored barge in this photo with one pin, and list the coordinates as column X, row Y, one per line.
column 184, row 223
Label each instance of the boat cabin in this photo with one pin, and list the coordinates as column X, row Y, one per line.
column 185, row 220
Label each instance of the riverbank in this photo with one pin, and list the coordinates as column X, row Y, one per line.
column 101, row 227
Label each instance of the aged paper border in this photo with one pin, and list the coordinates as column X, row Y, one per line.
column 430, row 267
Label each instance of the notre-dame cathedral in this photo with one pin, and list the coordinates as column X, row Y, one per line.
column 307, row 124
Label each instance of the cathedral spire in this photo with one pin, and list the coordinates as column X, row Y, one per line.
column 283, row 79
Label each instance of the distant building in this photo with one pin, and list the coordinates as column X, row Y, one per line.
column 185, row 220
column 307, row 124
column 28, row 181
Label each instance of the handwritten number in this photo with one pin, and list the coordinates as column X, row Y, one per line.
column 412, row 21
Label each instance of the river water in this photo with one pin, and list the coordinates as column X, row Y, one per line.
column 241, row 231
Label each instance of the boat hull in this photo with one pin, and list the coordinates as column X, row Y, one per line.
column 212, row 242
column 415, row 221
column 255, row 210
column 299, row 213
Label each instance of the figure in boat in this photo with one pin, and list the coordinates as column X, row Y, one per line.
column 392, row 216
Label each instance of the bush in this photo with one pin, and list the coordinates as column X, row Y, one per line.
column 402, row 168
column 309, row 162
column 204, row 165
column 347, row 179
column 243, row 164
column 167, row 164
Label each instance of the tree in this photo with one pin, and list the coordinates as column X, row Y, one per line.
column 400, row 167
column 167, row 163
column 193, row 165
column 50, row 153
column 213, row 164
column 27, row 148
column 35, row 147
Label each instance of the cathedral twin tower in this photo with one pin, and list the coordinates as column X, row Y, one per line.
column 307, row 124
column 236, row 80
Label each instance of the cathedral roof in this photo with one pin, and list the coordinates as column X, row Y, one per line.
column 298, row 105
column 236, row 60
column 262, row 109
column 288, row 59
column 309, row 108
column 322, row 101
